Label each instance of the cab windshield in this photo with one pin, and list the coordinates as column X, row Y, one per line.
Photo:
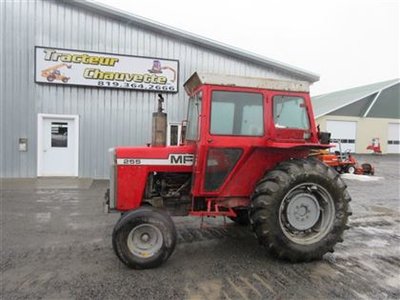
column 194, row 111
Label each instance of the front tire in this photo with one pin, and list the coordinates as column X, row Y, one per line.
column 144, row 238
column 300, row 209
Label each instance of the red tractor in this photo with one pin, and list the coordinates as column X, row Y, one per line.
column 244, row 156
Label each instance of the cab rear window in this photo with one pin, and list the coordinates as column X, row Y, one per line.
column 290, row 112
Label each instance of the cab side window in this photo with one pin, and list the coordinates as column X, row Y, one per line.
column 237, row 113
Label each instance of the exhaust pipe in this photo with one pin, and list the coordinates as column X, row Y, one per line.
column 159, row 125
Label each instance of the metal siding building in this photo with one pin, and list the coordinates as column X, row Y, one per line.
column 107, row 117
column 359, row 115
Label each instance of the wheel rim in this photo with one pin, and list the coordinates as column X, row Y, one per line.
column 145, row 240
column 307, row 213
column 351, row 170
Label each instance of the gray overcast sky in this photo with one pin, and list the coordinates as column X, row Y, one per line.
column 348, row 43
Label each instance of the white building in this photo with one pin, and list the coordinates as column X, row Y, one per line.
column 357, row 116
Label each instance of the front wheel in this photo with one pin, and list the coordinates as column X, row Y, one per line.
column 299, row 210
column 144, row 238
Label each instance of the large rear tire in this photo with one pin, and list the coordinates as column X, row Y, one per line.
column 300, row 209
column 144, row 238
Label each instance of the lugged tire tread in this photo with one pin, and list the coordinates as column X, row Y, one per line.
column 145, row 214
column 274, row 185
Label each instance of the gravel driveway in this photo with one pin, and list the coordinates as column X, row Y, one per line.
column 56, row 244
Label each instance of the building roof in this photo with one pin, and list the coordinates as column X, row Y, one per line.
column 193, row 38
column 367, row 96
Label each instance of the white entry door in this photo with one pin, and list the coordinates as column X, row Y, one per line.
column 345, row 132
column 58, row 145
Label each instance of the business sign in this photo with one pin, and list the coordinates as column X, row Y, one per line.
column 105, row 70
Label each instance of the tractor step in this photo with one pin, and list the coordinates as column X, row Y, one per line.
column 213, row 210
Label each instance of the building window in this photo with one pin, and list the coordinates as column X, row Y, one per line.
column 59, row 135
column 175, row 133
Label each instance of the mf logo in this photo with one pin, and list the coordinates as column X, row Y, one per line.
column 181, row 159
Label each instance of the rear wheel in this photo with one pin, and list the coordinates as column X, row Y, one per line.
column 367, row 169
column 299, row 210
column 144, row 238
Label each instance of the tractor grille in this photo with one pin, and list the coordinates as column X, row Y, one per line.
column 113, row 177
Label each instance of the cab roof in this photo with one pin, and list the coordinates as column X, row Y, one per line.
column 198, row 79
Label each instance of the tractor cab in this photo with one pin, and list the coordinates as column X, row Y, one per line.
column 241, row 127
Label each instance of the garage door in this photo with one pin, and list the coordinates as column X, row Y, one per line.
column 345, row 132
column 393, row 138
